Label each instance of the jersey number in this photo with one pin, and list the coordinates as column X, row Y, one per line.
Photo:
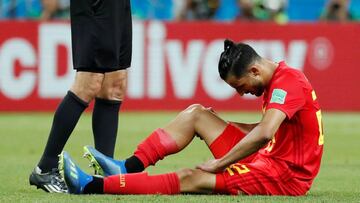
column 321, row 135
column 239, row 168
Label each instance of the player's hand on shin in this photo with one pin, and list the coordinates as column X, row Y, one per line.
column 212, row 166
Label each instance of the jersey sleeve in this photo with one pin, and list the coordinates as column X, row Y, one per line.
column 287, row 95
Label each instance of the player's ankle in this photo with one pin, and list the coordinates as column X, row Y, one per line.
column 96, row 186
column 134, row 165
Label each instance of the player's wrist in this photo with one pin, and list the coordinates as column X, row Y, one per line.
column 221, row 164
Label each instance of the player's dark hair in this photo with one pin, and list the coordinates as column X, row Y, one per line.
column 235, row 59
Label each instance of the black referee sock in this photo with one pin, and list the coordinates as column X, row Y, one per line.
column 134, row 165
column 65, row 119
column 96, row 186
column 105, row 120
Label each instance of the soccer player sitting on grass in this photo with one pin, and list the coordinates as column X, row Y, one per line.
column 280, row 155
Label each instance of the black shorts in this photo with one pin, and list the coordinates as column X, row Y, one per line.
column 101, row 32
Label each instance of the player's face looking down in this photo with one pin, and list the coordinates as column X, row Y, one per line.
column 249, row 83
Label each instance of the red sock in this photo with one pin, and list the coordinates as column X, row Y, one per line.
column 142, row 183
column 156, row 147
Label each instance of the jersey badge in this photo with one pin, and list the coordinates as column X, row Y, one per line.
column 278, row 96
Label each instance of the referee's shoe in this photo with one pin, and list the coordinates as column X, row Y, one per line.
column 49, row 182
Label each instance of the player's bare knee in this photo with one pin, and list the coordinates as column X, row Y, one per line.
column 186, row 180
column 190, row 180
column 194, row 107
column 184, row 173
column 195, row 110
column 189, row 115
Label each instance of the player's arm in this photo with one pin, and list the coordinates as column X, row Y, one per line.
column 245, row 127
column 257, row 138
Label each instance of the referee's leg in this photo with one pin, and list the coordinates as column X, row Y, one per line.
column 67, row 114
column 83, row 90
column 105, row 117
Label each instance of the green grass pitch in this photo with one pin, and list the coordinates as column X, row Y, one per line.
column 23, row 136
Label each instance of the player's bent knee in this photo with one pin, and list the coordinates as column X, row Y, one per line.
column 190, row 114
column 195, row 109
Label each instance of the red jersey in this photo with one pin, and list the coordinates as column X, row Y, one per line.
column 299, row 139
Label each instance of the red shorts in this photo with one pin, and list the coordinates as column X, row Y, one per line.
column 254, row 175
